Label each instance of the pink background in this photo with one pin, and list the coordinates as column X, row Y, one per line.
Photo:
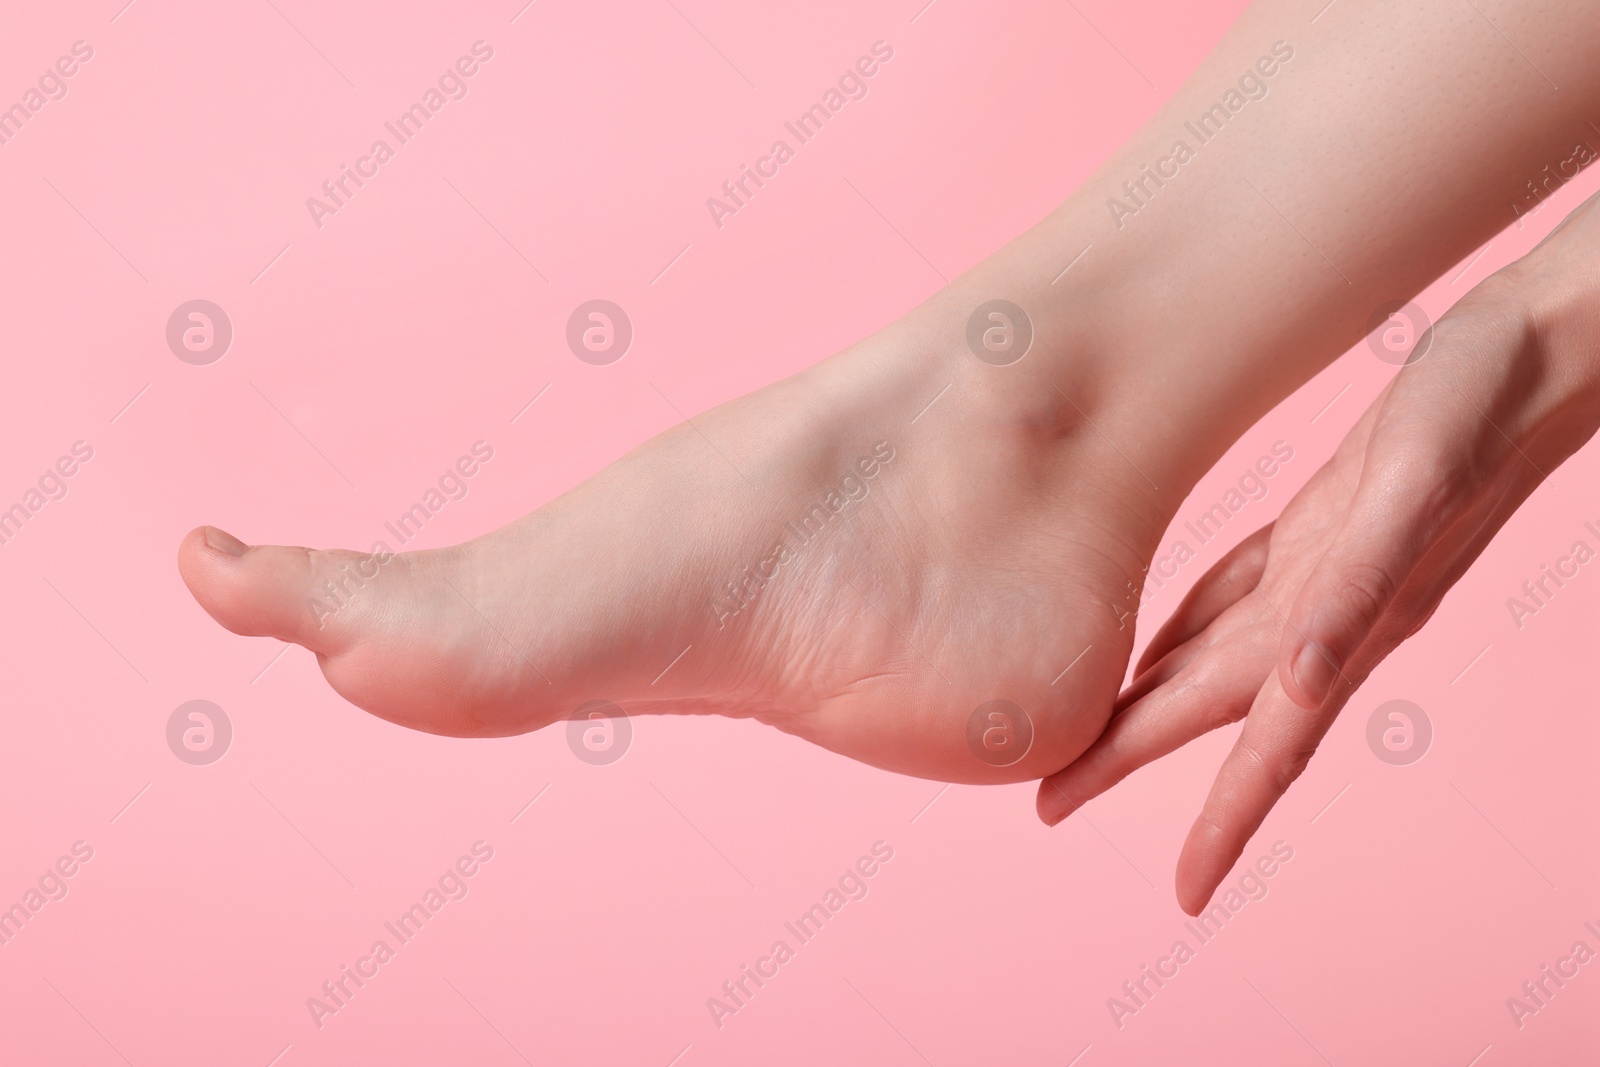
column 416, row 322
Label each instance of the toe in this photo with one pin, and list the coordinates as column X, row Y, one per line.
column 262, row 590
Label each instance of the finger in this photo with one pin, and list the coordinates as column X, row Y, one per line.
column 1280, row 737
column 1153, row 678
column 1213, row 691
column 1277, row 742
column 1227, row 627
column 1401, row 508
column 1228, row 580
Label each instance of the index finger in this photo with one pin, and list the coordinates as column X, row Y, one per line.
column 1278, row 740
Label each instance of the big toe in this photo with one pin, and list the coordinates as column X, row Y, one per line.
column 264, row 590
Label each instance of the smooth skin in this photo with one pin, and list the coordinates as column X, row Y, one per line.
column 1506, row 391
column 1009, row 535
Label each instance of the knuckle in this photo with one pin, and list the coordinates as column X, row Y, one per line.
column 1432, row 472
column 1206, row 689
column 1104, row 765
column 1290, row 766
column 1365, row 590
column 1209, row 830
column 1252, row 758
column 1503, row 309
column 1279, row 767
column 1534, row 302
column 1243, row 566
column 1419, row 615
column 1432, row 482
column 1510, row 320
column 1220, row 713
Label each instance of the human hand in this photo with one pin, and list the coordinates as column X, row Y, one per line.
column 1283, row 630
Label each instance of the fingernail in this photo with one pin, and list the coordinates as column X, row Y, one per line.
column 1314, row 671
column 224, row 542
column 1056, row 809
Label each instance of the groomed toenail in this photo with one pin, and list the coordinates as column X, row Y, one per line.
column 224, row 542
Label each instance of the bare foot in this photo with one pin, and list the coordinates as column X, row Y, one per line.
column 944, row 590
